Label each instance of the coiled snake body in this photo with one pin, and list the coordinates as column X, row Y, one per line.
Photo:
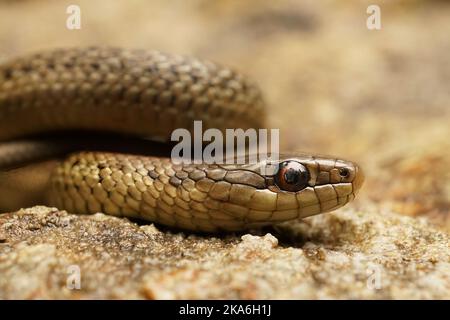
column 149, row 94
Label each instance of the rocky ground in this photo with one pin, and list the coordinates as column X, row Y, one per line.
column 332, row 86
column 354, row 254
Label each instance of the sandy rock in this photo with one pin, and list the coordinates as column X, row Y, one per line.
column 46, row 253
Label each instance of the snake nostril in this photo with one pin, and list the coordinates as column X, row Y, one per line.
column 344, row 172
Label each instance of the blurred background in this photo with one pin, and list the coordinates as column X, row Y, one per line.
column 378, row 97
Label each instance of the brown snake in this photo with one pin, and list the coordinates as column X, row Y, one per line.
column 149, row 94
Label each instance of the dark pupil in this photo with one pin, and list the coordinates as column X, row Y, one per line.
column 292, row 176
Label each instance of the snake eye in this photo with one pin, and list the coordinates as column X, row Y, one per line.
column 292, row 176
column 344, row 172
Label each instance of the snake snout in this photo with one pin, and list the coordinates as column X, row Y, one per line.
column 358, row 180
column 348, row 173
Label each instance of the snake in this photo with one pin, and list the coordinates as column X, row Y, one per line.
column 146, row 95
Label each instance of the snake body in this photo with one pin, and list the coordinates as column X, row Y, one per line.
column 149, row 94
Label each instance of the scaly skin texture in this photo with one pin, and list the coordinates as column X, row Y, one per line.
column 145, row 93
column 150, row 94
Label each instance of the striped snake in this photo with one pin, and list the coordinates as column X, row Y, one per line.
column 149, row 94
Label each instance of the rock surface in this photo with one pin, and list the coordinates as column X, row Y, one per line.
column 332, row 86
column 46, row 253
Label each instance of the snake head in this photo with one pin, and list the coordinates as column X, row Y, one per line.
column 294, row 186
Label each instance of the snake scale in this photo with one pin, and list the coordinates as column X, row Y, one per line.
column 149, row 94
